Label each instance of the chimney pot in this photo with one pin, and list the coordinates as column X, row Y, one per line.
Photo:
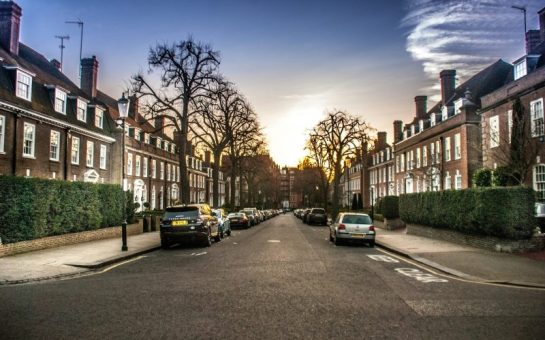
column 448, row 84
column 398, row 133
column 89, row 76
column 10, row 23
column 421, row 103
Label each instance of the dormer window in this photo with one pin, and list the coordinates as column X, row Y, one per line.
column 432, row 119
column 444, row 113
column 99, row 118
column 521, row 69
column 60, row 101
column 137, row 134
column 458, row 105
column 412, row 130
column 146, row 138
column 24, row 85
column 81, row 110
column 421, row 125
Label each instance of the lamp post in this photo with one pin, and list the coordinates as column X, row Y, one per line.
column 123, row 107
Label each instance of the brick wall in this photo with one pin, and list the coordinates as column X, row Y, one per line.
column 484, row 242
column 67, row 239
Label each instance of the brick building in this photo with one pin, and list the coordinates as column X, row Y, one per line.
column 381, row 170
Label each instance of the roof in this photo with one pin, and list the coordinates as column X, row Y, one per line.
column 44, row 74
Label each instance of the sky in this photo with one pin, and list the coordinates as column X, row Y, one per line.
column 294, row 60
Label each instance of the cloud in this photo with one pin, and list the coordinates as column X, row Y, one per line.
column 466, row 35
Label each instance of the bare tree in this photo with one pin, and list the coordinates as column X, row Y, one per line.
column 219, row 113
column 336, row 138
column 186, row 70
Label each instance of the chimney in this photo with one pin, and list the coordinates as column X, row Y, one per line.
column 159, row 122
column 541, row 15
column 10, row 23
column 533, row 39
column 398, row 133
column 381, row 140
column 89, row 75
column 134, row 108
column 56, row 64
column 421, row 103
column 448, row 84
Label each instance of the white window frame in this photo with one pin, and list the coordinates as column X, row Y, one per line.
column 539, row 181
column 509, row 125
column 25, row 80
column 457, row 146
column 153, row 168
column 54, row 145
column 536, row 114
column 99, row 118
column 81, row 110
column 103, row 152
column 74, row 152
column 494, row 128
column 418, row 158
column 448, row 181
column 90, row 154
column 424, row 155
column 145, row 167
column 520, row 69
column 2, row 132
column 458, row 180
column 137, row 163
column 61, row 98
column 447, row 149
column 29, row 141
column 129, row 164
column 162, row 170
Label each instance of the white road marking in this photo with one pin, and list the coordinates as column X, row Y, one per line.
column 383, row 258
column 420, row 276
column 235, row 243
column 273, row 241
column 199, row 254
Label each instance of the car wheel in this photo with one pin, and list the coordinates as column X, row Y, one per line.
column 217, row 238
column 337, row 241
column 208, row 240
column 330, row 237
column 229, row 232
column 372, row 243
column 165, row 244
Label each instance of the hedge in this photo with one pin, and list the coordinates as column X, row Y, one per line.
column 501, row 212
column 388, row 206
column 32, row 208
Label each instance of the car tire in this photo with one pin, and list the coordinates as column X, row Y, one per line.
column 330, row 237
column 229, row 233
column 337, row 241
column 217, row 238
column 208, row 240
column 371, row 243
column 165, row 244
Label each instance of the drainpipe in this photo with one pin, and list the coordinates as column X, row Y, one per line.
column 14, row 158
column 66, row 153
column 441, row 184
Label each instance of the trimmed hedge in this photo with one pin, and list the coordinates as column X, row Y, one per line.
column 501, row 212
column 388, row 206
column 32, row 208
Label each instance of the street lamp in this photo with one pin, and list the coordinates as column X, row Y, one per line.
column 123, row 107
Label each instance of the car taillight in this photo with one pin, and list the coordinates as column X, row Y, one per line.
column 342, row 227
column 372, row 228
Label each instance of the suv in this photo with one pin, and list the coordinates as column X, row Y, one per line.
column 317, row 215
column 193, row 222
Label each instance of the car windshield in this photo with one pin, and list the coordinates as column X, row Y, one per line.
column 181, row 212
column 318, row 211
column 356, row 219
column 249, row 212
column 235, row 215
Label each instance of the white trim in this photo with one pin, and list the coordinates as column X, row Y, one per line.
column 103, row 156
column 72, row 150
column 17, row 81
column 19, row 68
column 58, row 145
column 33, row 140
column 58, row 122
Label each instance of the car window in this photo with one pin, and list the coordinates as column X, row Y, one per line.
column 181, row 212
column 356, row 219
column 318, row 211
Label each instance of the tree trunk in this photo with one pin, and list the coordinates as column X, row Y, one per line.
column 184, row 178
column 215, row 179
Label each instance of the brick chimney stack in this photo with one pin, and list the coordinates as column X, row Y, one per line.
column 381, row 140
column 398, row 133
column 89, row 75
column 56, row 64
column 134, row 108
column 541, row 15
column 533, row 39
column 421, row 104
column 10, row 23
column 448, row 84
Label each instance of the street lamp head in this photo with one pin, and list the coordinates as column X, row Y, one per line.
column 123, row 106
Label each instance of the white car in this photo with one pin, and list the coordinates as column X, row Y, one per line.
column 355, row 227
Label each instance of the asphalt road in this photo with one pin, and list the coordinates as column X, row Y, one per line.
column 280, row 280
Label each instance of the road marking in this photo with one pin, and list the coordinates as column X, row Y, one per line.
column 420, row 276
column 199, row 254
column 235, row 243
column 273, row 241
column 383, row 258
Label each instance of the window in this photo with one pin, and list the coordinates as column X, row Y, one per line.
column 539, row 181
column 90, row 153
column 536, row 112
column 424, row 156
column 137, row 165
column 457, row 146
column 28, row 143
column 146, row 138
column 60, row 101
column 54, row 142
column 103, row 156
column 509, row 124
column 494, row 123
column 99, row 117
column 447, row 181
column 75, row 150
column 153, row 168
column 432, row 119
column 447, row 149
column 129, row 164
column 24, row 85
column 2, row 132
column 402, row 162
column 432, row 153
column 145, row 167
column 520, row 69
column 437, row 151
column 81, row 110
column 162, row 171
column 418, row 157
column 458, row 179
column 168, row 172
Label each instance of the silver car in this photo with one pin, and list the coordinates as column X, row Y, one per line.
column 352, row 227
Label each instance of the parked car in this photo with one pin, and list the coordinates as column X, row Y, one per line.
column 305, row 214
column 317, row 216
column 252, row 215
column 223, row 222
column 239, row 220
column 192, row 222
column 352, row 227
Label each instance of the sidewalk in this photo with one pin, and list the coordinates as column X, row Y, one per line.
column 463, row 261
column 73, row 259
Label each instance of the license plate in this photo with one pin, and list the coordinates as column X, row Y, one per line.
column 358, row 235
column 179, row 223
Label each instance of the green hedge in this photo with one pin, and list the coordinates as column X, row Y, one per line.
column 388, row 206
column 32, row 208
column 501, row 212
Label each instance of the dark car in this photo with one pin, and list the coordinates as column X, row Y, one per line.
column 239, row 220
column 317, row 216
column 305, row 214
column 193, row 222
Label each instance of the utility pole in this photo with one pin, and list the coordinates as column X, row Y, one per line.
column 62, row 39
column 80, row 24
column 523, row 10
